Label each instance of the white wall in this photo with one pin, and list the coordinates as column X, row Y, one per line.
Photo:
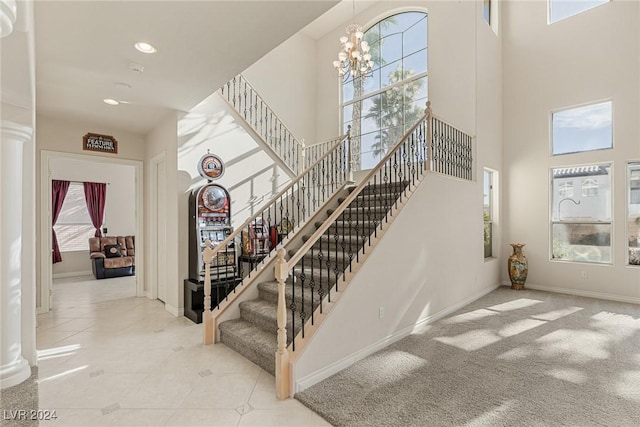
column 425, row 265
column 431, row 260
column 120, row 207
column 65, row 136
column 589, row 57
column 288, row 85
column 163, row 140
column 249, row 171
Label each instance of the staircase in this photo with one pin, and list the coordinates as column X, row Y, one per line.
column 254, row 333
column 270, row 330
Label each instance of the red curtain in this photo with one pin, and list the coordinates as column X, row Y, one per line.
column 58, row 193
column 95, row 194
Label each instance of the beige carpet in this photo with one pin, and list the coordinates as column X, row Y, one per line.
column 512, row 358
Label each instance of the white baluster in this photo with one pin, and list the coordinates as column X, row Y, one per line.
column 429, row 138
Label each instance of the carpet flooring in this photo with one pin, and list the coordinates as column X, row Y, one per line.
column 511, row 358
column 19, row 404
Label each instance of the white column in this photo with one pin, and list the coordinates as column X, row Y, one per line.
column 14, row 368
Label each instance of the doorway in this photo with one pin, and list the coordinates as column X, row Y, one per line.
column 75, row 164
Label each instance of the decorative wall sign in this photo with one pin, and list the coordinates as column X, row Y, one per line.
column 210, row 166
column 102, row 143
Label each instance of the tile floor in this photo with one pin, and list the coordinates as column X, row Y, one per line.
column 107, row 357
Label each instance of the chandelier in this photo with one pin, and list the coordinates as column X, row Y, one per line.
column 354, row 59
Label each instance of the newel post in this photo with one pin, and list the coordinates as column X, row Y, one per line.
column 301, row 156
column 282, row 355
column 350, row 160
column 207, row 318
column 429, row 118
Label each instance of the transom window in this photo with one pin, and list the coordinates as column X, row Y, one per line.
column 583, row 128
column 382, row 107
column 562, row 9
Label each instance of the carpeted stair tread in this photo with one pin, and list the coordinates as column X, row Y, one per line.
column 349, row 239
column 255, row 344
column 341, row 224
column 269, row 291
column 375, row 197
column 340, row 255
column 264, row 314
column 254, row 335
column 319, row 276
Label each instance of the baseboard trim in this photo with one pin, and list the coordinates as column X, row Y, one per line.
column 177, row 312
column 335, row 367
column 580, row 293
column 72, row 274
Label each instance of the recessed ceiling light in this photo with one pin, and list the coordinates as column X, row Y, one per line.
column 111, row 101
column 145, row 47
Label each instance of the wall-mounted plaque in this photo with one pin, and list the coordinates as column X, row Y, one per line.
column 210, row 166
column 102, row 143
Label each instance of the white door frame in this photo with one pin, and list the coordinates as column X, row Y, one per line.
column 46, row 268
column 153, row 224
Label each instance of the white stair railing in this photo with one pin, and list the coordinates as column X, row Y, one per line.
column 243, row 97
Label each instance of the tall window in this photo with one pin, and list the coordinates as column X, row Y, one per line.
column 583, row 128
column 581, row 224
column 562, row 9
column 486, row 11
column 488, row 213
column 633, row 219
column 382, row 107
column 74, row 227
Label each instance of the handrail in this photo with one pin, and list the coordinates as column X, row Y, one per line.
column 309, row 185
column 320, row 264
column 264, row 207
column 363, row 183
column 359, row 219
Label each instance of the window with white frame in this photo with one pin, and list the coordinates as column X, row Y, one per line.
column 486, row 11
column 581, row 224
column 584, row 128
column 382, row 107
column 487, row 213
column 633, row 213
column 562, row 9
column 74, row 227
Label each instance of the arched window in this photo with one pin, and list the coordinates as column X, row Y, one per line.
column 381, row 107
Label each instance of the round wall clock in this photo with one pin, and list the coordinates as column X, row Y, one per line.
column 210, row 166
